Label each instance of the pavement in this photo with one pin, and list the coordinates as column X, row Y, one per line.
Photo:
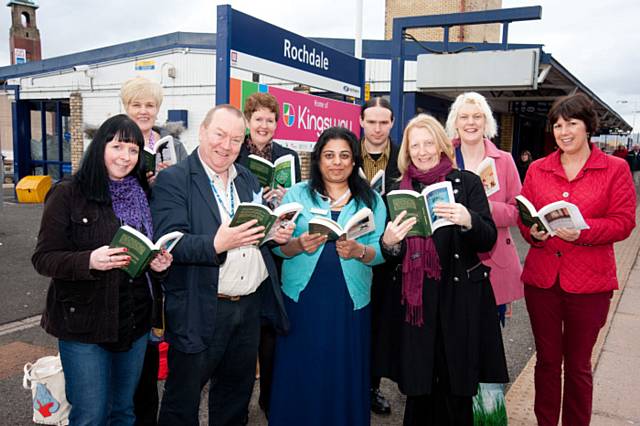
column 616, row 356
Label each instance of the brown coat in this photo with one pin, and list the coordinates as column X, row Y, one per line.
column 82, row 304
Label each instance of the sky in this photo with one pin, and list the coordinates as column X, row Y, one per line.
column 598, row 41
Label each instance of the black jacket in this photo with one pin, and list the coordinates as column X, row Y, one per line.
column 83, row 304
column 462, row 302
column 182, row 200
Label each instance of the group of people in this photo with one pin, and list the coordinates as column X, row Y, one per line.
column 327, row 319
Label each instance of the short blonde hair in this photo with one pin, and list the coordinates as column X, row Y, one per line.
column 490, row 126
column 140, row 87
column 424, row 121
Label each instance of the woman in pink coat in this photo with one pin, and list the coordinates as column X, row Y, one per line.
column 570, row 277
column 471, row 124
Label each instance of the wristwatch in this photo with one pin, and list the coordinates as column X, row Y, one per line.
column 364, row 252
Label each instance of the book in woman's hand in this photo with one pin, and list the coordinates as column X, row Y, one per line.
column 488, row 175
column 377, row 181
column 361, row 223
column 140, row 248
column 270, row 219
column 281, row 172
column 559, row 214
column 163, row 151
column 420, row 205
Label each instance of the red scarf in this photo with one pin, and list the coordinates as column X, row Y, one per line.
column 421, row 255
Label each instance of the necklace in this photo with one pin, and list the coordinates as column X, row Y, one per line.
column 338, row 201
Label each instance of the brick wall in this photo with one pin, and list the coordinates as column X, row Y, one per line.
column 305, row 161
column 506, row 132
column 473, row 33
column 76, row 124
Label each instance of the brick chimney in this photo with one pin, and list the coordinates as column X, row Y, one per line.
column 24, row 35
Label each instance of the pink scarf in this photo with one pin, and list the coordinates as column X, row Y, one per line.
column 421, row 255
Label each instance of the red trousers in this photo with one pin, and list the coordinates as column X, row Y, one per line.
column 565, row 328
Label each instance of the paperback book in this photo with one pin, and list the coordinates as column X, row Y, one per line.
column 361, row 223
column 270, row 219
column 141, row 249
column 488, row 175
column 559, row 214
column 420, row 205
column 163, row 151
column 377, row 181
column 281, row 172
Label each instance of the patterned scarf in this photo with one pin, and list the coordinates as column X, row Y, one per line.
column 421, row 255
column 130, row 204
column 265, row 152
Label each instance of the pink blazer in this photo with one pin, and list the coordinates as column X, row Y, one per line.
column 503, row 259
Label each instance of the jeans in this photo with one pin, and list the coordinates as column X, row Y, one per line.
column 100, row 384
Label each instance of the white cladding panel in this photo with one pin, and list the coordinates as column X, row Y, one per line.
column 192, row 89
column 505, row 69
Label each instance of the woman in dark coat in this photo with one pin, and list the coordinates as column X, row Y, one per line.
column 100, row 315
column 443, row 330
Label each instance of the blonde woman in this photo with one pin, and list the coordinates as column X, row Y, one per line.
column 443, row 326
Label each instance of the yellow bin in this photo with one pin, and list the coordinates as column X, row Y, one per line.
column 33, row 189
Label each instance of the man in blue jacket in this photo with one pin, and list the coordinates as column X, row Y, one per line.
column 221, row 284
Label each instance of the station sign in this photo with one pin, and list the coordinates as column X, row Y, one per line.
column 260, row 47
column 303, row 117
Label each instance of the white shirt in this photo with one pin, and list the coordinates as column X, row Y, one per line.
column 244, row 269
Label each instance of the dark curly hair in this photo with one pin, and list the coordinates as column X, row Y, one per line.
column 575, row 106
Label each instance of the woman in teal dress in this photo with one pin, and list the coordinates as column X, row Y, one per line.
column 321, row 374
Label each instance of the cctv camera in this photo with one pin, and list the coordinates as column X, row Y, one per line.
column 81, row 67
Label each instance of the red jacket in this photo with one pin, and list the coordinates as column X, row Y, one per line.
column 605, row 194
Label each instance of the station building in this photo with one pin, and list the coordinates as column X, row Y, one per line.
column 46, row 104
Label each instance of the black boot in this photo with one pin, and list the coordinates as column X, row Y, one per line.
column 379, row 403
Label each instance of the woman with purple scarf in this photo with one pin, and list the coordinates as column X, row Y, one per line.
column 100, row 315
column 444, row 336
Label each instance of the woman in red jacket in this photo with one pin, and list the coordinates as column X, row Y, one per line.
column 570, row 277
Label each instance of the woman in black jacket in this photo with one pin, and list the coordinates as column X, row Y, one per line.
column 100, row 315
column 443, row 329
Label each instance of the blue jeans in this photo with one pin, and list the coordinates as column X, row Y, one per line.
column 100, row 384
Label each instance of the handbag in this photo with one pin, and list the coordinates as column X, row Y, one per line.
column 45, row 378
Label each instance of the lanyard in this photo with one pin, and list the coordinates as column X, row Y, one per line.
column 231, row 198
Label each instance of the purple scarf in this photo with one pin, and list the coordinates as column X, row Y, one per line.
column 130, row 204
column 421, row 255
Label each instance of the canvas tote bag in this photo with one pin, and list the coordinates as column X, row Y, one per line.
column 46, row 381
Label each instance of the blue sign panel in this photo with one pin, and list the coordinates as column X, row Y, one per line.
column 259, row 39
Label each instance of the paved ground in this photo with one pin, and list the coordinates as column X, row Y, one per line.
column 616, row 358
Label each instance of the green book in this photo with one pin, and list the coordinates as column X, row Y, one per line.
column 420, row 205
column 141, row 249
column 361, row 223
column 163, row 151
column 270, row 219
column 559, row 214
column 281, row 172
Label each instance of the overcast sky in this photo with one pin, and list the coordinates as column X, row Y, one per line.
column 598, row 41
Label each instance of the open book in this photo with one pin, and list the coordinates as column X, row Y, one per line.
column 488, row 175
column 141, row 249
column 163, row 151
column 361, row 223
column 420, row 205
column 270, row 219
column 377, row 181
column 281, row 172
column 559, row 214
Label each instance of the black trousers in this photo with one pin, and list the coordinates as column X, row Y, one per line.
column 145, row 400
column 228, row 364
column 439, row 408
column 266, row 355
